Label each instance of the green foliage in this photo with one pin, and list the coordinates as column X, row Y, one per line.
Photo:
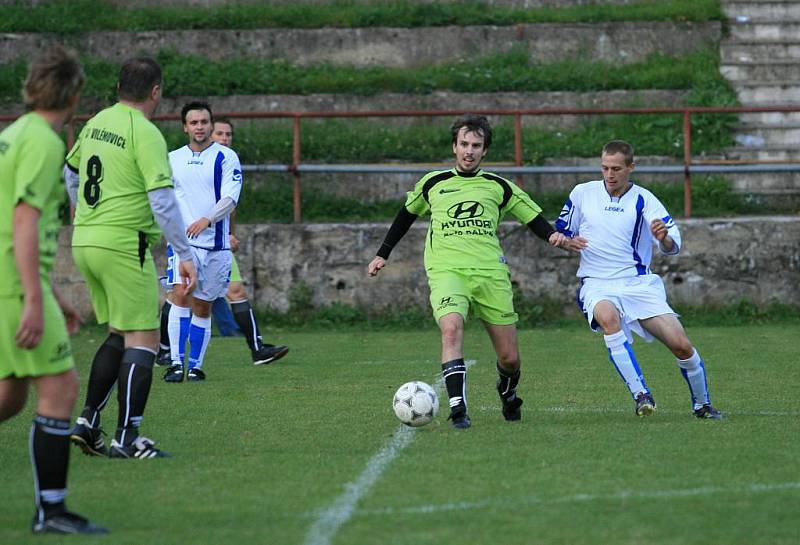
column 74, row 16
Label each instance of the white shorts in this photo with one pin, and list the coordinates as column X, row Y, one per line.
column 213, row 272
column 636, row 298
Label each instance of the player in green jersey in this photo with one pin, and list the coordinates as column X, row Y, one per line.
column 464, row 262
column 121, row 184
column 34, row 319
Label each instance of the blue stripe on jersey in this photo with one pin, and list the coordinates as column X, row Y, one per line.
column 170, row 272
column 637, row 235
column 219, row 227
column 564, row 218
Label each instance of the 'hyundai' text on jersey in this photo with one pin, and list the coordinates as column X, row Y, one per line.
column 465, row 212
column 617, row 229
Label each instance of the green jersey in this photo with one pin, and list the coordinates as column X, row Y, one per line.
column 465, row 212
column 31, row 157
column 121, row 156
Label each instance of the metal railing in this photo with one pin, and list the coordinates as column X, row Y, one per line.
column 296, row 168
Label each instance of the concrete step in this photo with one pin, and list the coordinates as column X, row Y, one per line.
column 770, row 118
column 763, row 153
column 758, row 92
column 771, row 9
column 787, row 69
column 762, row 135
column 751, row 31
column 617, row 41
column 756, row 52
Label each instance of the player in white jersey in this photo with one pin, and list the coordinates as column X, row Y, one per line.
column 615, row 224
column 208, row 180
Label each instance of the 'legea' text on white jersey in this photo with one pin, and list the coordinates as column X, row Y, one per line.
column 201, row 180
column 617, row 229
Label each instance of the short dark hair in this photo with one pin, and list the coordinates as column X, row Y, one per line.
column 195, row 105
column 619, row 146
column 137, row 77
column 225, row 120
column 473, row 123
column 53, row 79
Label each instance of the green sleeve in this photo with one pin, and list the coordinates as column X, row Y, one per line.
column 38, row 169
column 521, row 206
column 74, row 155
column 152, row 159
column 415, row 200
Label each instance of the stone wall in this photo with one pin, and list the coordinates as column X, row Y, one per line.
column 723, row 260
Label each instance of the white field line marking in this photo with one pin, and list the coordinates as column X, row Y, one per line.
column 520, row 501
column 329, row 520
column 495, row 408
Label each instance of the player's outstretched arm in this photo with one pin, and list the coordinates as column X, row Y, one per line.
column 400, row 226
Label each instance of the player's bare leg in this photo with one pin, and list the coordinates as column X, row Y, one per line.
column 13, row 395
column 454, row 370
column 504, row 340
column 621, row 355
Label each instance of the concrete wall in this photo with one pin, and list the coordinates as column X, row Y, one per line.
column 722, row 261
column 618, row 41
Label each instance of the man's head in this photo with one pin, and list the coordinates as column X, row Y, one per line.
column 196, row 117
column 140, row 80
column 471, row 137
column 223, row 131
column 617, row 164
column 54, row 81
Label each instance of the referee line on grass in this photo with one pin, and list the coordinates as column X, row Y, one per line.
column 328, row 521
column 520, row 501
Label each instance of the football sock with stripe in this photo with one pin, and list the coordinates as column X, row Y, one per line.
column 135, row 377
column 49, row 451
column 694, row 371
column 507, row 383
column 164, row 328
column 102, row 377
column 199, row 335
column 179, row 319
column 246, row 319
column 623, row 358
column 455, row 380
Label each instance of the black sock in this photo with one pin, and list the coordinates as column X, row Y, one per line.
column 246, row 319
column 507, row 383
column 455, row 379
column 104, row 373
column 50, row 460
column 135, row 377
column 164, row 341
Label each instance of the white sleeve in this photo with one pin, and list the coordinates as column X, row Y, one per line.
column 165, row 210
column 223, row 207
column 72, row 180
column 231, row 177
column 656, row 210
column 569, row 219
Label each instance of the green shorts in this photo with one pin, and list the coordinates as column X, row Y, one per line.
column 52, row 356
column 236, row 275
column 487, row 291
column 124, row 290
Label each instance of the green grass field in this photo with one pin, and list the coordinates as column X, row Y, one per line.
column 307, row 451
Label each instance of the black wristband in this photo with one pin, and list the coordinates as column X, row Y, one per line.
column 541, row 228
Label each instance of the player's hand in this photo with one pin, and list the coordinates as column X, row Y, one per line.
column 71, row 316
column 31, row 325
column 188, row 274
column 571, row 244
column 659, row 229
column 198, row 227
column 234, row 243
column 376, row 265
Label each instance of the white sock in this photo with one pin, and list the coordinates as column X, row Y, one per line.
column 694, row 371
column 621, row 355
column 178, row 330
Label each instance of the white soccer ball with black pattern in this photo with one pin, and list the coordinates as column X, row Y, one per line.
column 415, row 403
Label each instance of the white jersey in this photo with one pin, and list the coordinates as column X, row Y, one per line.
column 617, row 229
column 201, row 181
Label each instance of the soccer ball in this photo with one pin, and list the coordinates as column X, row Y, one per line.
column 415, row 403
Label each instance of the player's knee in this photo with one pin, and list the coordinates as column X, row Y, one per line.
column 508, row 360
column 683, row 349
column 236, row 292
column 452, row 331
